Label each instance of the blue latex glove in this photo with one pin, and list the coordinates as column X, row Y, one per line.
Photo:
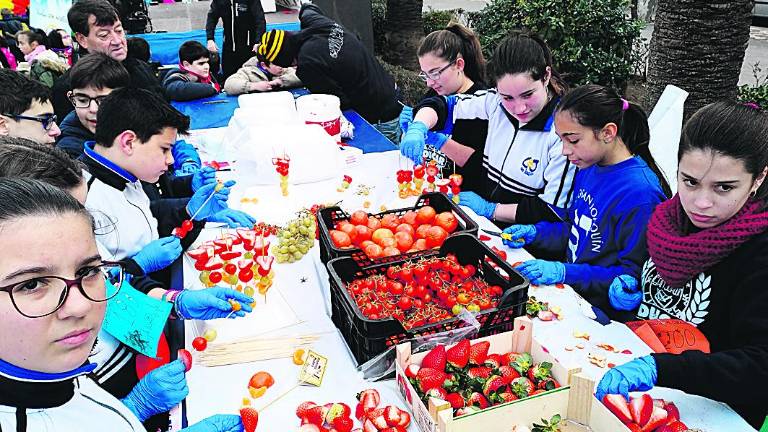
column 436, row 139
column 203, row 177
column 406, row 117
column 211, row 303
column 624, row 293
column 213, row 206
column 159, row 391
column 638, row 375
column 188, row 168
column 233, row 218
column 541, row 272
column 521, row 235
column 477, row 204
column 217, row 423
column 413, row 142
column 158, row 254
column 184, row 154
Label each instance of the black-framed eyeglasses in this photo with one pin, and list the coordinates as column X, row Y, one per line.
column 84, row 101
column 47, row 120
column 43, row 295
column 434, row 76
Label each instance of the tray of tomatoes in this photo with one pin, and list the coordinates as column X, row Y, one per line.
column 380, row 305
column 388, row 236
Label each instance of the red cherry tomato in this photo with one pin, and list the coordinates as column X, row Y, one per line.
column 199, row 343
column 215, row 277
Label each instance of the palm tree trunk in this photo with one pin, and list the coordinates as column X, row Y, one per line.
column 404, row 32
column 699, row 46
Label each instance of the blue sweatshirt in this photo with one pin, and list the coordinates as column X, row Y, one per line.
column 604, row 233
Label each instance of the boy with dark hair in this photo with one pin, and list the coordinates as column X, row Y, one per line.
column 193, row 78
column 97, row 28
column 260, row 75
column 243, row 22
column 93, row 78
column 25, row 108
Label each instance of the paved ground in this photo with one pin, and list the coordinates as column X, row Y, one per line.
column 188, row 16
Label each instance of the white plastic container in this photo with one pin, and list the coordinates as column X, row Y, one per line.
column 323, row 110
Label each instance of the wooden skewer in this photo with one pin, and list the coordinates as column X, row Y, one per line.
column 280, row 397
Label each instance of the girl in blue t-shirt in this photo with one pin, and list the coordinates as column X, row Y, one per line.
column 615, row 191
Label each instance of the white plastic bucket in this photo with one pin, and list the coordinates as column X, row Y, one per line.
column 323, row 110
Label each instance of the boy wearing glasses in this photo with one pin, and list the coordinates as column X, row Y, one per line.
column 25, row 109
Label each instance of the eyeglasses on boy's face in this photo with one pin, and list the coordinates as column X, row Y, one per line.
column 47, row 120
column 79, row 100
column 43, row 295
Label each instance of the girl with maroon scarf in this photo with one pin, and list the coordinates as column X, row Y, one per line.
column 708, row 265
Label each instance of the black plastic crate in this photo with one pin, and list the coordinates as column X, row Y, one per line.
column 328, row 217
column 367, row 338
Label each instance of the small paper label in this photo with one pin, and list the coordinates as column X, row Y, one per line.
column 313, row 370
column 135, row 318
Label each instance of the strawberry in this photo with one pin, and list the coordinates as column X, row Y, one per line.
column 675, row 426
column 535, row 392
column 503, row 397
column 641, row 409
column 478, row 352
column 455, row 399
column 479, row 372
column 672, row 410
column 412, row 370
column 522, row 363
column 392, row 415
column 185, row 358
column 658, row 418
column 343, row 424
column 372, row 393
column 250, row 418
column 508, row 373
column 540, row 371
column 458, row 355
column 435, row 359
column 405, row 420
column 316, row 415
column 493, row 361
column 430, row 378
column 522, row 387
column 376, row 417
column 547, row 384
column 467, row 410
column 301, row 410
column 633, row 427
column 493, row 384
column 394, row 429
column 508, row 358
column 618, row 406
column 336, row 410
column 478, row 400
column 368, row 426
column 437, row 392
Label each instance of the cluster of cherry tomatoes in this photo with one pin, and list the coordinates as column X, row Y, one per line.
column 390, row 234
column 424, row 291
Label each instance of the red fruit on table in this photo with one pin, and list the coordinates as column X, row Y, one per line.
column 409, row 218
column 405, row 420
column 214, row 263
column 179, row 232
column 392, row 415
column 458, row 355
column 428, row 378
column 634, row 427
column 618, row 406
column 250, row 418
column 405, row 303
column 675, row 426
column 303, row 408
column 373, row 250
column 412, row 370
column 390, row 251
column 230, row 269
column 215, row 277
column 340, row 239
column 186, row 358
column 264, row 263
column 342, row 424
column 374, row 223
column 230, row 255
column 404, row 240
column 199, row 343
column 436, row 236
column 425, row 215
column 316, row 415
column 455, row 399
column 447, row 221
column 199, row 254
column 245, row 275
column 478, row 352
column 362, row 233
column 522, row 387
column 658, row 418
column 187, row 225
column 641, row 408
column 390, row 221
column 421, row 231
column 672, row 410
column 435, row 359
column 359, row 218
column 478, row 400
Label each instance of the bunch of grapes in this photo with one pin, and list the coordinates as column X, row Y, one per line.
column 296, row 238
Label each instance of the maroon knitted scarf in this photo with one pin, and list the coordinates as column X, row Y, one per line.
column 679, row 256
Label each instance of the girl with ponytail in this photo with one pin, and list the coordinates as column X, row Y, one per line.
column 452, row 62
column 615, row 191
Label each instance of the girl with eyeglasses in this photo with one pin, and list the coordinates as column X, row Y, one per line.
column 53, row 292
column 527, row 178
column 452, row 62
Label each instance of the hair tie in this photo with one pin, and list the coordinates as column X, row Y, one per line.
column 624, row 104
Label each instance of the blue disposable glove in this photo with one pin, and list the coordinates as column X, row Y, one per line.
column 436, row 139
column 233, row 218
column 188, row 168
column 521, row 235
column 541, row 272
column 477, row 204
column 158, row 254
column 406, row 117
column 202, row 177
column 413, row 142
column 159, row 391
column 638, row 375
column 211, row 303
column 212, row 206
column 184, row 154
column 624, row 294
column 217, row 423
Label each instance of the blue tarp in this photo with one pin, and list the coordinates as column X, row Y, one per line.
column 165, row 46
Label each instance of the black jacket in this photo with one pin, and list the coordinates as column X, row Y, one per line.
column 73, row 136
column 179, row 88
column 332, row 60
column 243, row 22
column 142, row 76
column 728, row 303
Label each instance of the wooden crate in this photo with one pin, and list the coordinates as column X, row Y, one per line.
column 438, row 416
